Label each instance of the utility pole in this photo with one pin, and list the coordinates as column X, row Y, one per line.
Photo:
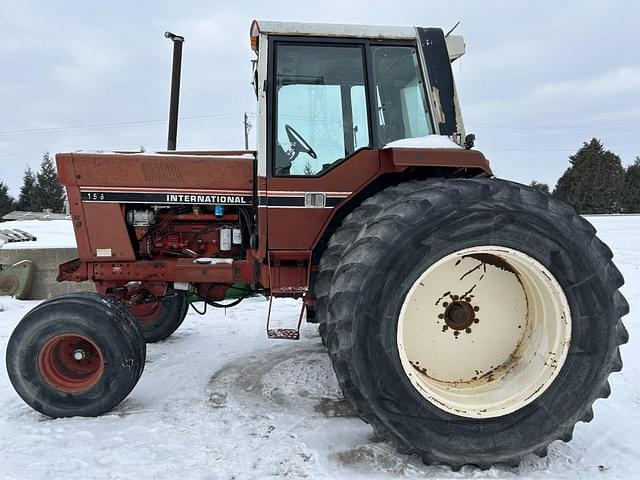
column 247, row 127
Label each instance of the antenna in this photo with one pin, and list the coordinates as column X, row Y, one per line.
column 454, row 27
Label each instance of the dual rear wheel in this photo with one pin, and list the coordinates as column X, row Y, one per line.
column 470, row 321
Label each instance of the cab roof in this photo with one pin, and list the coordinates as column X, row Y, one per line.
column 455, row 43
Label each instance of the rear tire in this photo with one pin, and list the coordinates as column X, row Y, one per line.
column 419, row 224
column 353, row 224
column 75, row 355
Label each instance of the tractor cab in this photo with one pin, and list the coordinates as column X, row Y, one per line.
column 326, row 92
column 338, row 105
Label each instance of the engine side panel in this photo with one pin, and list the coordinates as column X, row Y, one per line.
column 108, row 236
column 180, row 191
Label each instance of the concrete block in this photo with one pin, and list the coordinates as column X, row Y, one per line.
column 46, row 261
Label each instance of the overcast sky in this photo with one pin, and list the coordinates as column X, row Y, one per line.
column 538, row 78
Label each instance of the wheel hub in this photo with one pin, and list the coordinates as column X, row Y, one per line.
column 459, row 315
column 70, row 363
column 79, row 354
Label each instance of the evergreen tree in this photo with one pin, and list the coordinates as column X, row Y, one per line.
column 543, row 187
column 594, row 182
column 631, row 194
column 7, row 204
column 48, row 193
column 308, row 169
column 25, row 201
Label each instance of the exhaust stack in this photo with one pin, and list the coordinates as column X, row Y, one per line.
column 175, row 89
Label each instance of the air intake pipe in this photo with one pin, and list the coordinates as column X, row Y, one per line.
column 175, row 88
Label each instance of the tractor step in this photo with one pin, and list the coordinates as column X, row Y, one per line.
column 284, row 333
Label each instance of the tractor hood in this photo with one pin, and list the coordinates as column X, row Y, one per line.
column 205, row 178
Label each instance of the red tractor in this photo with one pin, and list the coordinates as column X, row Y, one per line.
column 469, row 319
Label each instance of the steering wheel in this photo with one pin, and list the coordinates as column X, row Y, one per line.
column 298, row 144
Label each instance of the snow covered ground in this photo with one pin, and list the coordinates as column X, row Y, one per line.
column 219, row 401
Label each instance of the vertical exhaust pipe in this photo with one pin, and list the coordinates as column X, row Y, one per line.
column 175, row 88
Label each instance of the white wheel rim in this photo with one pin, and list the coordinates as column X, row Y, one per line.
column 484, row 331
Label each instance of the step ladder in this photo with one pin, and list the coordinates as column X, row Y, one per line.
column 284, row 333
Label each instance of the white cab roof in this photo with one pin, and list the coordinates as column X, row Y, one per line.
column 455, row 43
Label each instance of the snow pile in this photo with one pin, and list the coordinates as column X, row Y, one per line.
column 429, row 141
column 49, row 234
column 218, row 400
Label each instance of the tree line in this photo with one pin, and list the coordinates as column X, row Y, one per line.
column 40, row 191
column 597, row 182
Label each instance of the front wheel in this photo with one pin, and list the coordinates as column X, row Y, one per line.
column 474, row 321
column 159, row 317
column 75, row 355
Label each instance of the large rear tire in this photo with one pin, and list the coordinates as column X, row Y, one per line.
column 75, row 355
column 473, row 321
column 353, row 224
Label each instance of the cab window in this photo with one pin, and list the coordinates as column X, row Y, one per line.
column 400, row 99
column 320, row 107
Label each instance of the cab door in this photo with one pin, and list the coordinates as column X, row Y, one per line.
column 320, row 149
column 333, row 104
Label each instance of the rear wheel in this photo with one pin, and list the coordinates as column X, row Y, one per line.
column 75, row 355
column 159, row 317
column 353, row 224
column 484, row 331
column 489, row 312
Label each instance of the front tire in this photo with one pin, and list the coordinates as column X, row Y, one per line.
column 435, row 381
column 160, row 317
column 75, row 355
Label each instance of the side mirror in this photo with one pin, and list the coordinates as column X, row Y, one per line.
column 469, row 141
